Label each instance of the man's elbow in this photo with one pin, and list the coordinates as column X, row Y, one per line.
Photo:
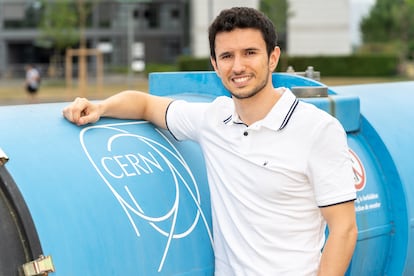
column 353, row 232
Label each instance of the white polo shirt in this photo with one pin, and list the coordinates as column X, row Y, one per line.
column 267, row 181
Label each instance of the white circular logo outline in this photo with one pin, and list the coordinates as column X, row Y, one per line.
column 136, row 209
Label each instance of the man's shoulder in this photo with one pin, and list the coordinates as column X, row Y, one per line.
column 311, row 111
column 225, row 100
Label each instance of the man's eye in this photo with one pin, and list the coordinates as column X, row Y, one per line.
column 249, row 53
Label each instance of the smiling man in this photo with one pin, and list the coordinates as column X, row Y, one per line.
column 279, row 169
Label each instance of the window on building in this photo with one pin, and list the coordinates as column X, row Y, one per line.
column 105, row 13
column 171, row 49
column 152, row 15
column 21, row 15
column 175, row 14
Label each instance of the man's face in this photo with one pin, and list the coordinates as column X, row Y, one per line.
column 242, row 62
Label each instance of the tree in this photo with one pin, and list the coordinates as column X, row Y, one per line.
column 278, row 12
column 390, row 22
column 62, row 26
column 59, row 29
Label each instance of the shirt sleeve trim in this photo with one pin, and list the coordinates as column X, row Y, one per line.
column 333, row 204
column 166, row 121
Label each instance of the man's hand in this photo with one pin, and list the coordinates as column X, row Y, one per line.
column 81, row 111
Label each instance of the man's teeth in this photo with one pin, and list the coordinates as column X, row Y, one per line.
column 241, row 79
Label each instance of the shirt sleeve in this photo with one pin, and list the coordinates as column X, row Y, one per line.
column 330, row 165
column 184, row 119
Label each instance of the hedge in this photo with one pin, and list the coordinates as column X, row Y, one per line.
column 352, row 66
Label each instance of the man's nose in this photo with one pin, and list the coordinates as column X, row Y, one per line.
column 238, row 65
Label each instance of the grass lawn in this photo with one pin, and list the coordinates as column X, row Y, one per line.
column 13, row 92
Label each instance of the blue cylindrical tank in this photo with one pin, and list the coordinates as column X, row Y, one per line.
column 385, row 205
column 122, row 197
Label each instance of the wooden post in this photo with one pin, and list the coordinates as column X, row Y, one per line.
column 99, row 71
column 83, row 53
column 68, row 72
column 82, row 74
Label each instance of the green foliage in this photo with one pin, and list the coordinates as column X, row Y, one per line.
column 391, row 21
column 63, row 21
column 156, row 67
column 278, row 12
column 380, row 48
column 352, row 66
column 362, row 65
column 188, row 63
column 59, row 24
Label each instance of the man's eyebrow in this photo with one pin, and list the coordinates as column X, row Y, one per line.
column 251, row 49
column 224, row 53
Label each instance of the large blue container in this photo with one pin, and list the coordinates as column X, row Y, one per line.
column 385, row 206
column 121, row 197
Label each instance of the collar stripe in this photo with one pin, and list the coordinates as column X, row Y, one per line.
column 289, row 114
column 227, row 119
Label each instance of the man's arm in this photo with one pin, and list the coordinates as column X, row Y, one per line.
column 341, row 241
column 124, row 105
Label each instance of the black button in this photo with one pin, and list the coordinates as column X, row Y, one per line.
column 245, row 133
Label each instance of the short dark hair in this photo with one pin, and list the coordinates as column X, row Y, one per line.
column 242, row 17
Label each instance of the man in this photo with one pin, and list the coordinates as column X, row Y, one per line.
column 278, row 169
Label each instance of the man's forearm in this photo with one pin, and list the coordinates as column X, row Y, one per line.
column 337, row 253
column 124, row 105
column 136, row 105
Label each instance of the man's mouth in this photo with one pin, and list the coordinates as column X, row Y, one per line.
column 240, row 81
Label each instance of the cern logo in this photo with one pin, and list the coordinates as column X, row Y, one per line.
column 149, row 178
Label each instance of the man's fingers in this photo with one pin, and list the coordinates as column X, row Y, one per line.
column 86, row 118
column 77, row 112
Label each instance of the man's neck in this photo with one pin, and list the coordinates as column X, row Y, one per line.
column 256, row 108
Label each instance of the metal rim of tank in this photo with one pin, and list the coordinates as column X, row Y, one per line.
column 23, row 244
column 310, row 91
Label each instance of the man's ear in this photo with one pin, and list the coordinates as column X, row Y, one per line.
column 274, row 58
column 214, row 64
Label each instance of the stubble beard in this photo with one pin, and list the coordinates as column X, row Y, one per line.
column 251, row 93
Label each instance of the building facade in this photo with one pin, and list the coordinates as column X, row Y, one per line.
column 202, row 14
column 151, row 31
column 136, row 32
column 126, row 31
column 319, row 27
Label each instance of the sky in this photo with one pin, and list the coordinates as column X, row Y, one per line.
column 359, row 8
